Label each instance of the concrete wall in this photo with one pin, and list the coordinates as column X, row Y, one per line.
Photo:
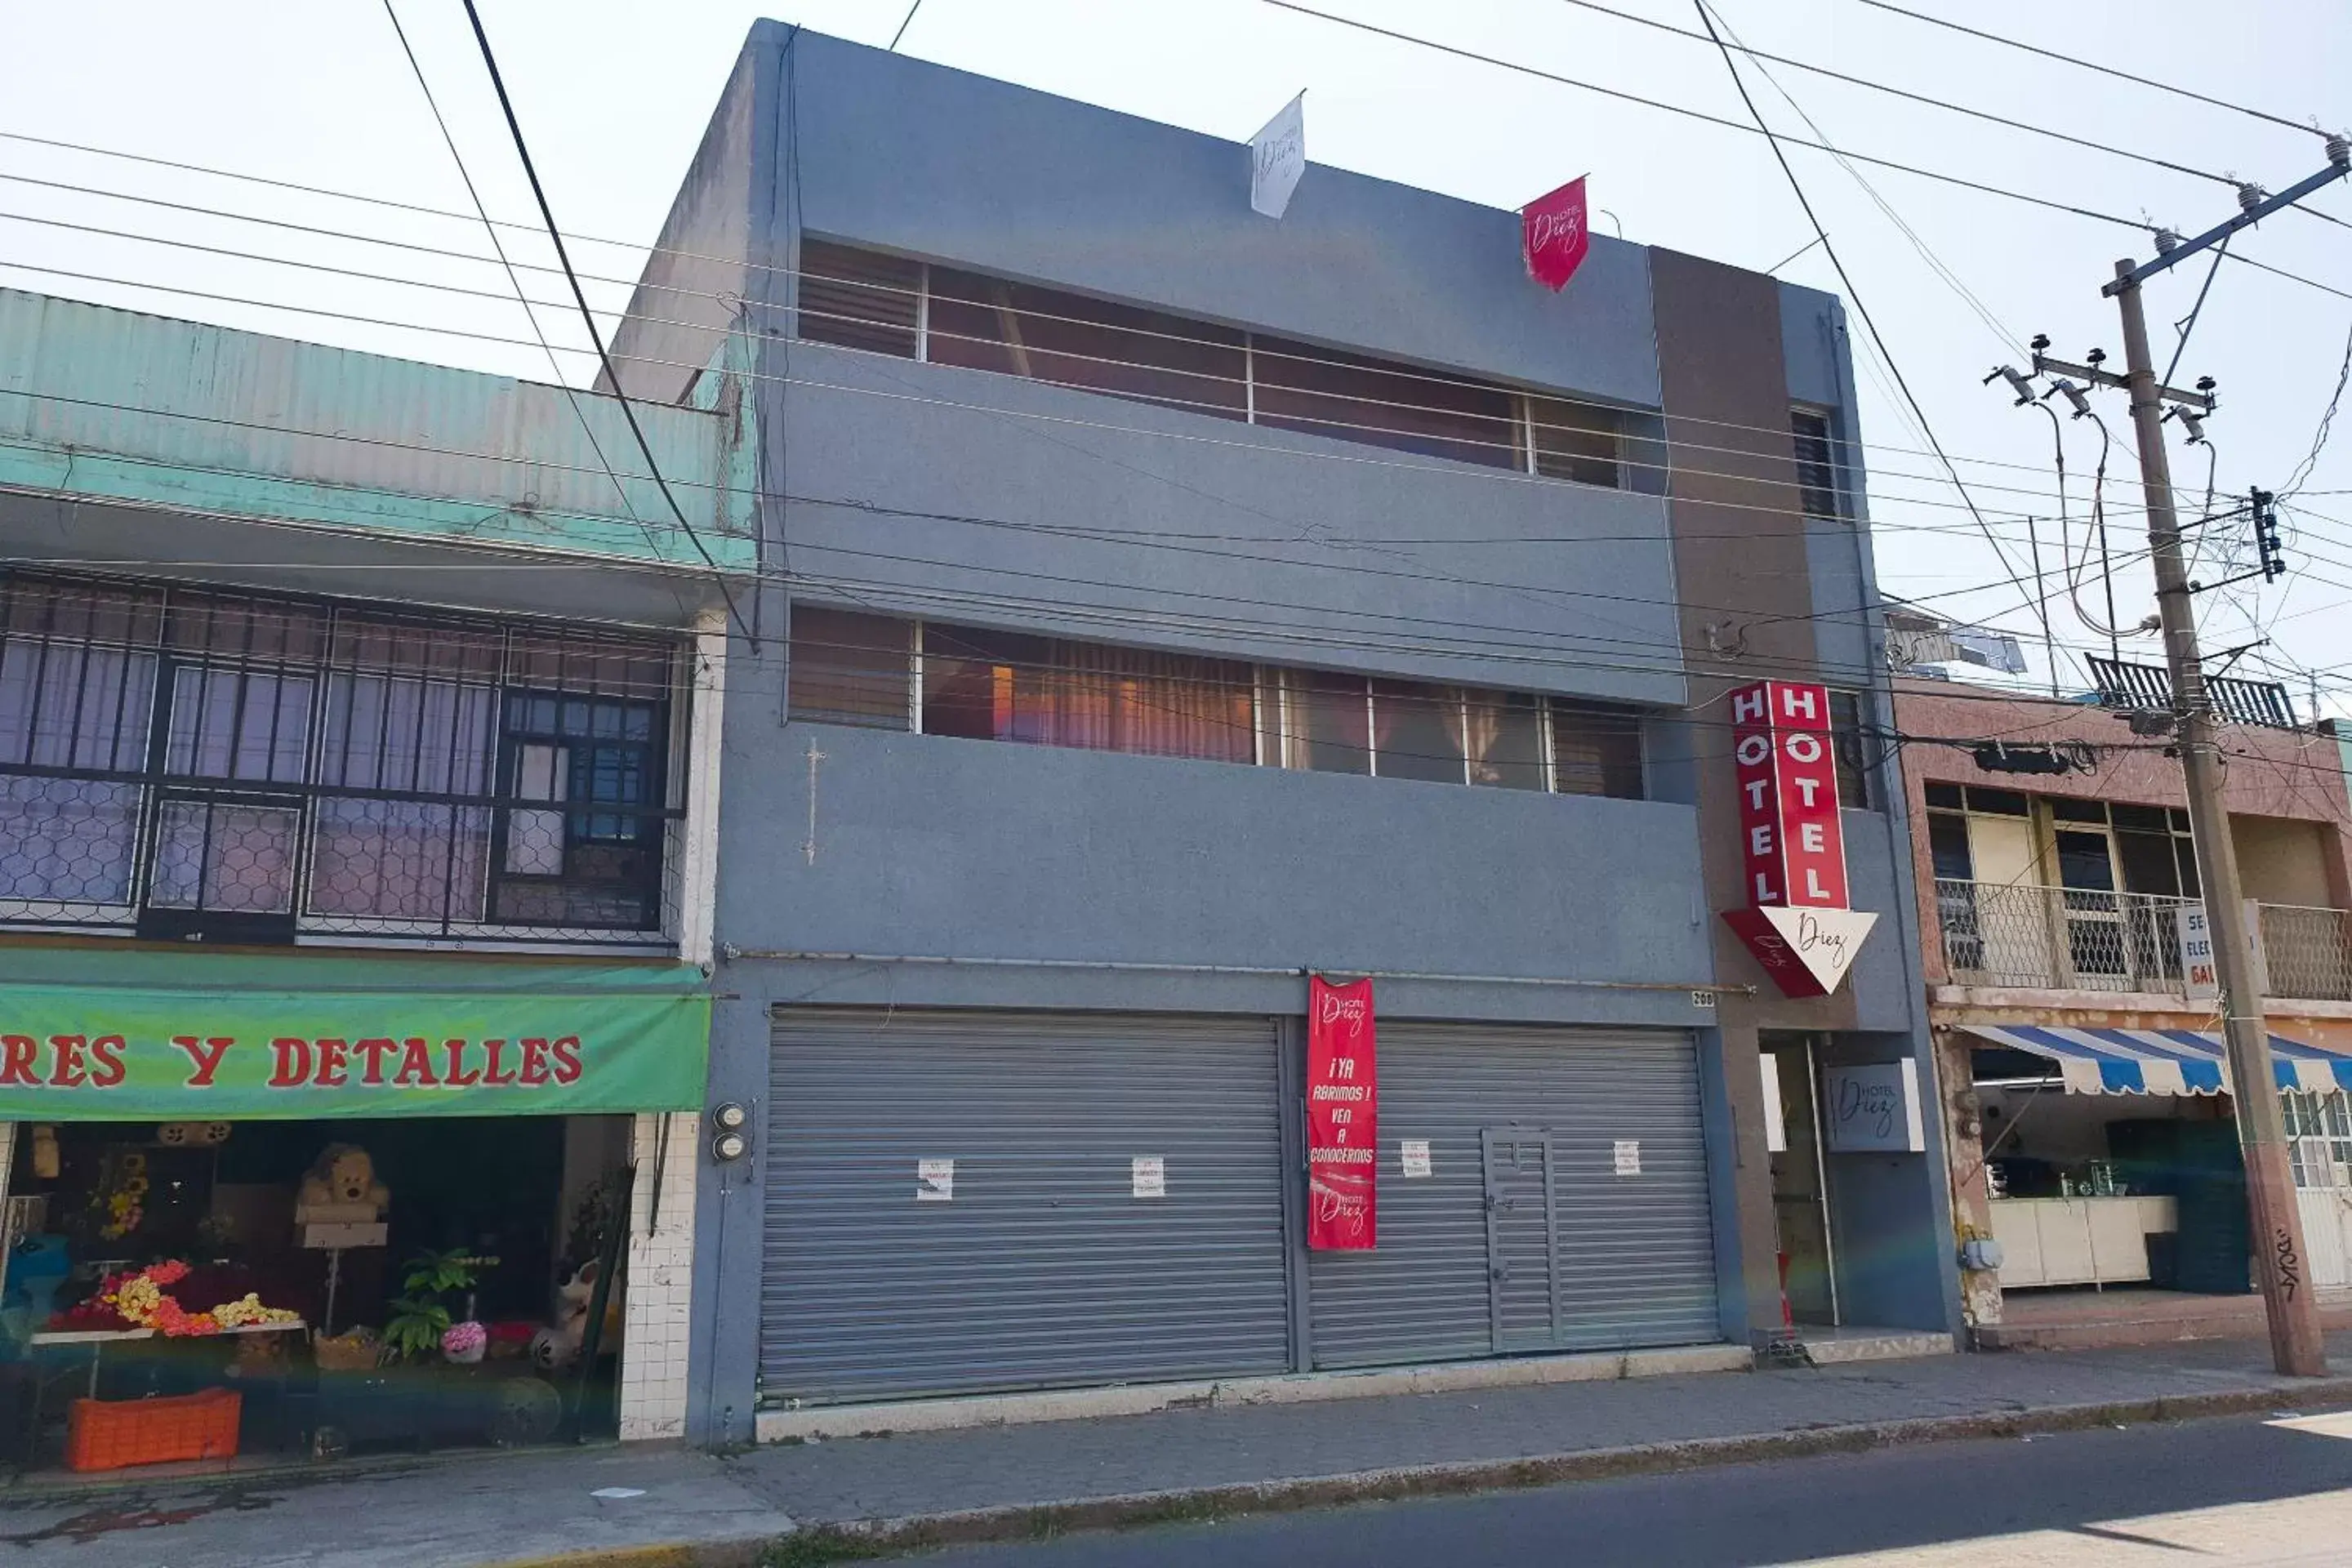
column 971, row 498
column 707, row 256
column 1253, row 542
column 1003, row 179
column 2281, row 862
column 926, row 845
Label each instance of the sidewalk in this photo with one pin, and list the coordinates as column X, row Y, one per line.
column 694, row 1509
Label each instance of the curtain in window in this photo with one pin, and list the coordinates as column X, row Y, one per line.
column 1417, row 731
column 402, row 859
column 70, row 705
column 1330, row 726
column 1503, row 734
column 997, row 685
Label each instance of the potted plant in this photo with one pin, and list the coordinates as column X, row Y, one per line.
column 421, row 1321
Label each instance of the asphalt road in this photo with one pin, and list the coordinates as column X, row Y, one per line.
column 2239, row 1491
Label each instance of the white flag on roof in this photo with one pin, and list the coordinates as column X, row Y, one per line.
column 1277, row 158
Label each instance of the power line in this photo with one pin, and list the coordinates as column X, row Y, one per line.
column 679, row 253
column 2244, row 260
column 2093, row 65
column 1706, row 118
column 1400, row 373
column 1158, row 542
column 1921, row 97
column 416, row 67
column 522, row 150
column 1847, row 468
column 1518, row 634
column 1936, row 264
column 2327, row 424
column 1451, row 468
column 1854, row 294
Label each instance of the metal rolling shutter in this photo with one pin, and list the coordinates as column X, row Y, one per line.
column 1632, row 1258
column 1044, row 1269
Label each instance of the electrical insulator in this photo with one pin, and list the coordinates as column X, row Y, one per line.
column 2266, row 535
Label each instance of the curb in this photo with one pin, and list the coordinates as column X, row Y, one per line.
column 841, row 1541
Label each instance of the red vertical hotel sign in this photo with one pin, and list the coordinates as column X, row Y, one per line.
column 1343, row 1095
column 1792, row 852
column 1794, row 847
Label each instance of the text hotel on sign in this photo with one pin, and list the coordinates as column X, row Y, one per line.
column 1787, row 775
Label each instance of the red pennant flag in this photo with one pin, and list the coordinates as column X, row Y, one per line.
column 1555, row 235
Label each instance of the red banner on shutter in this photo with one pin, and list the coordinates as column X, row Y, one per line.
column 1555, row 236
column 1343, row 1110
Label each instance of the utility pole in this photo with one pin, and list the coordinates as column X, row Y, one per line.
column 2280, row 1258
column 2279, row 1253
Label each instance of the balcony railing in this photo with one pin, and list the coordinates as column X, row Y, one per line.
column 2308, row 952
column 2067, row 939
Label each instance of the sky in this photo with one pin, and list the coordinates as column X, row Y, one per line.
column 615, row 97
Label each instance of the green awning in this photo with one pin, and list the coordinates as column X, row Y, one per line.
column 95, row 1032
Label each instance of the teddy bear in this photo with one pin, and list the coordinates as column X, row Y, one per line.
column 560, row 1346
column 342, row 1179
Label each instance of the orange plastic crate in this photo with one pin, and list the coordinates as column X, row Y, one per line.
column 109, row 1433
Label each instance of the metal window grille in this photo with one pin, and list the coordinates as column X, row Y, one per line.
column 877, row 304
column 218, row 766
column 2124, row 684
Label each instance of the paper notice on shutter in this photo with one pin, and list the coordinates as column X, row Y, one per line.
column 1149, row 1176
column 1415, row 1154
column 1629, row 1156
column 935, row 1180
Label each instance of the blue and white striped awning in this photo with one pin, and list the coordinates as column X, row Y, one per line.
column 2162, row 1062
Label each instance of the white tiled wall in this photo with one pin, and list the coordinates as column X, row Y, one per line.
column 660, row 1278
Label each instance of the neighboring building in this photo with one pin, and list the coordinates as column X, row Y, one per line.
column 2082, row 1081
column 1161, row 603
column 355, row 726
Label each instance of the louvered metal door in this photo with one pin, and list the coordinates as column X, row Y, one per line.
column 1522, row 1239
column 1632, row 1255
column 1033, row 1262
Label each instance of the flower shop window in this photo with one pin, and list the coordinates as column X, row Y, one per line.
column 215, row 1289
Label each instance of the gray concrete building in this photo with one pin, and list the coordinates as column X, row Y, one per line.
column 1161, row 604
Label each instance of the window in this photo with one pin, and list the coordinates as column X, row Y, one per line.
column 1327, row 724
column 226, row 767
column 1504, row 737
column 860, row 299
column 590, row 856
column 1573, row 441
column 1946, row 796
column 1004, row 686
column 1947, row 846
column 1956, row 897
column 1417, row 733
column 875, row 671
column 2319, row 1138
column 1070, row 339
column 1596, row 751
column 848, row 669
column 1849, row 746
column 76, row 687
column 886, row 304
column 1818, row 490
column 1323, row 392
